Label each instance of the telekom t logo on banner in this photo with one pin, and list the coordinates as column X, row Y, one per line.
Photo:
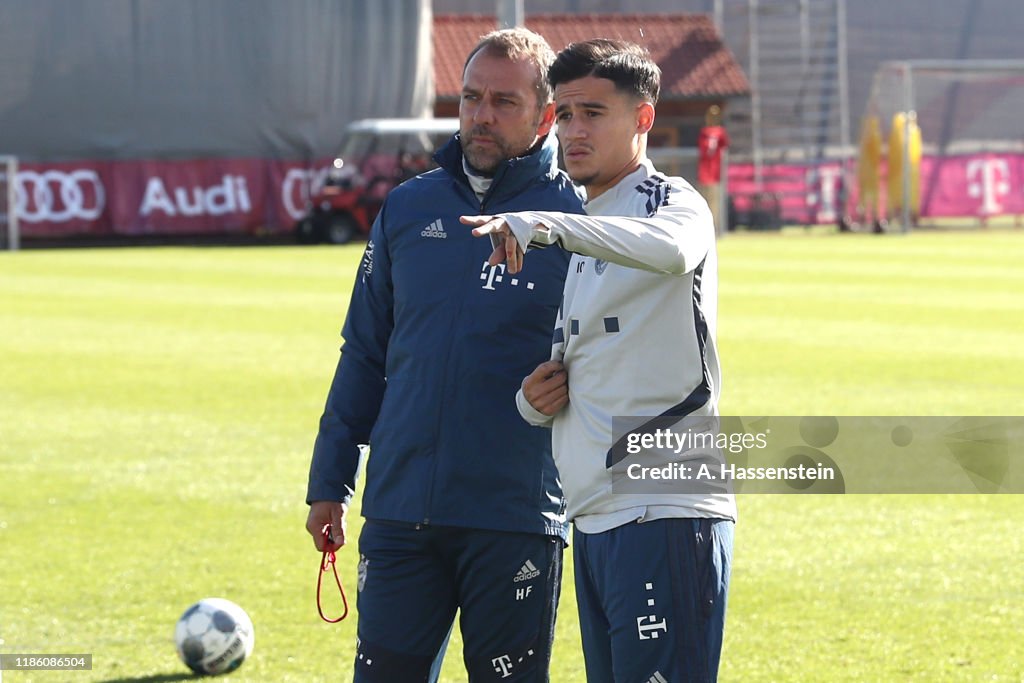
column 988, row 179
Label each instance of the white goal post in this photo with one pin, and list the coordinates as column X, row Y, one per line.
column 941, row 115
column 10, row 237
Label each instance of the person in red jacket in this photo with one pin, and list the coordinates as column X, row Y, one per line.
column 711, row 143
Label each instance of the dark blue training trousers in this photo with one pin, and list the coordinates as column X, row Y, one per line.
column 651, row 600
column 413, row 579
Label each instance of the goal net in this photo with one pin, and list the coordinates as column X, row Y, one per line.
column 942, row 145
column 9, row 235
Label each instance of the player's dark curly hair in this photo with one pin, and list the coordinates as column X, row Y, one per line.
column 627, row 65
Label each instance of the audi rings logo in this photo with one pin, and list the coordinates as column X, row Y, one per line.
column 59, row 196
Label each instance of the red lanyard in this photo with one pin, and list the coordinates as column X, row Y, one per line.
column 328, row 561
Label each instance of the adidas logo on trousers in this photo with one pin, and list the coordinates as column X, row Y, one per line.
column 526, row 572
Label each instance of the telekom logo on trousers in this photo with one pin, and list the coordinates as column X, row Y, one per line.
column 988, row 179
column 229, row 196
column 59, row 196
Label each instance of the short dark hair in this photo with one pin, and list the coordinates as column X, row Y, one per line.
column 516, row 44
column 627, row 65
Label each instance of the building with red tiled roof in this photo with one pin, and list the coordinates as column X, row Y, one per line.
column 697, row 69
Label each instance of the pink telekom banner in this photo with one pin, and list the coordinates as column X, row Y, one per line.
column 195, row 197
column 967, row 185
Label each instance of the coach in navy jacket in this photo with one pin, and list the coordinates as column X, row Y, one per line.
column 463, row 506
column 436, row 345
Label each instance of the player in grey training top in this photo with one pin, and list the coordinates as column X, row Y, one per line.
column 635, row 337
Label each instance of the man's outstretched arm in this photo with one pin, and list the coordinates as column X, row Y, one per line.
column 673, row 241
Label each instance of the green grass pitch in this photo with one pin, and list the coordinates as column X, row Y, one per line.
column 158, row 407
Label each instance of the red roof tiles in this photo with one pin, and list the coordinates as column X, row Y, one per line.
column 694, row 62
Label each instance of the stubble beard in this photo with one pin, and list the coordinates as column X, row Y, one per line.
column 487, row 163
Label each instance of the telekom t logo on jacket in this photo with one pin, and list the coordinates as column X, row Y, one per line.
column 492, row 275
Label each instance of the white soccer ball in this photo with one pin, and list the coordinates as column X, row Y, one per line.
column 214, row 636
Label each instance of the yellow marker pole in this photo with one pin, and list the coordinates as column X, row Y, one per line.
column 868, row 163
column 894, row 179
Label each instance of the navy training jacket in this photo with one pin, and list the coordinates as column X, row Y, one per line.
column 436, row 344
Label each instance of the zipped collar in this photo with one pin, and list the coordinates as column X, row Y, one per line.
column 512, row 176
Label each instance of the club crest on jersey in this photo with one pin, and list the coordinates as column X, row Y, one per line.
column 599, row 266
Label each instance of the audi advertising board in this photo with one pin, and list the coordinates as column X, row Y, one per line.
column 214, row 196
column 247, row 196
